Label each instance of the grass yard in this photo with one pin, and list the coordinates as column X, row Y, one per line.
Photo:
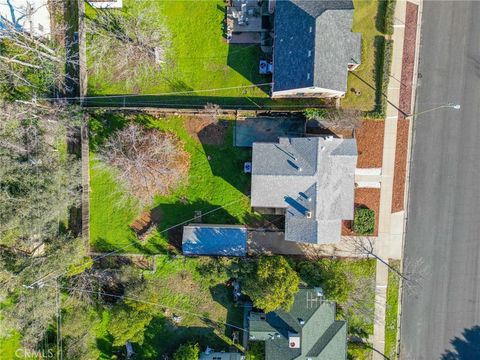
column 391, row 315
column 217, row 184
column 199, row 59
column 364, row 79
column 190, row 292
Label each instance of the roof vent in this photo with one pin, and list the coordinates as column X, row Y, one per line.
column 329, row 138
column 301, row 322
column 308, row 214
column 323, row 148
column 300, row 168
column 293, row 340
column 318, row 291
column 309, row 53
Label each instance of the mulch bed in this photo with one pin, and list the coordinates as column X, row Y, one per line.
column 398, row 197
column 206, row 130
column 408, row 60
column 370, row 143
column 364, row 197
column 405, row 105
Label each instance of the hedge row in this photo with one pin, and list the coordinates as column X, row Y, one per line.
column 389, row 16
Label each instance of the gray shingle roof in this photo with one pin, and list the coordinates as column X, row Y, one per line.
column 314, row 44
column 321, row 336
column 218, row 240
column 312, row 178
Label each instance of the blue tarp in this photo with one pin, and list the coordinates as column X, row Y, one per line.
column 216, row 240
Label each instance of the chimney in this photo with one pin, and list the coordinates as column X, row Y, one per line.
column 293, row 340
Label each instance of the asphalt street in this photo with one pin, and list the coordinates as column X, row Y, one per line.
column 441, row 319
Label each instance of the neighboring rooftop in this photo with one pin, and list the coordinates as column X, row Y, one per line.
column 220, row 355
column 31, row 16
column 314, row 45
column 308, row 331
column 214, row 240
column 311, row 178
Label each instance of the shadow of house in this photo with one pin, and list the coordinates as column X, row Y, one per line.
column 245, row 60
column 224, row 296
column 163, row 338
column 466, row 347
column 226, row 161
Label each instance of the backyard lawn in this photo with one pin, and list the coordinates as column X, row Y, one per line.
column 215, row 182
column 189, row 291
column 364, row 79
column 198, row 59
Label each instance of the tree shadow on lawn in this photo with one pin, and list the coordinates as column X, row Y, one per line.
column 162, row 337
column 224, row 296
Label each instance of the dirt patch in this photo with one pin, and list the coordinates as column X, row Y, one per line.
column 364, row 197
column 400, row 174
column 370, row 144
column 408, row 60
column 206, row 131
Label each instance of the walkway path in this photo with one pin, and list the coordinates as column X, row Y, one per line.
column 391, row 225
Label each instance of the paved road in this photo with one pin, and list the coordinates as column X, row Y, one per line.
column 443, row 228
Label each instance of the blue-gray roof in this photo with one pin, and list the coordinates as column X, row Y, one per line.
column 314, row 44
column 214, row 240
column 312, row 179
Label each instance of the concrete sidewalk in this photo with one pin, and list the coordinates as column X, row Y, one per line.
column 391, row 226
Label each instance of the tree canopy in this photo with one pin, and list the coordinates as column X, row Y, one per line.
column 270, row 282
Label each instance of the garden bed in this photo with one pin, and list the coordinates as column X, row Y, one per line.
column 408, row 60
column 364, row 197
column 370, row 143
column 400, row 174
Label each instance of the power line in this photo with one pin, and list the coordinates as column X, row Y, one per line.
column 131, row 244
column 145, row 302
column 159, row 94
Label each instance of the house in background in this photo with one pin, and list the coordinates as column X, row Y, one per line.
column 310, row 180
column 31, row 16
column 314, row 48
column 214, row 240
column 308, row 331
column 220, row 355
column 106, row 4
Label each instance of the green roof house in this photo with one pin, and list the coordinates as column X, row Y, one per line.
column 309, row 331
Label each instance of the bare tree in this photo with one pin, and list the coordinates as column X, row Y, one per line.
column 39, row 180
column 37, row 64
column 149, row 161
column 128, row 44
column 412, row 273
column 342, row 118
column 211, row 111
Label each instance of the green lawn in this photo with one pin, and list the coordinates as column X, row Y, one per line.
column 199, row 59
column 187, row 289
column 364, row 78
column 391, row 315
column 217, row 184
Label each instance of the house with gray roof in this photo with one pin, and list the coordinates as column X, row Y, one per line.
column 314, row 47
column 308, row 330
column 310, row 180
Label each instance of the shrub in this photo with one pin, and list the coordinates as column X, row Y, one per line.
column 187, row 351
column 315, row 113
column 364, row 221
column 389, row 16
